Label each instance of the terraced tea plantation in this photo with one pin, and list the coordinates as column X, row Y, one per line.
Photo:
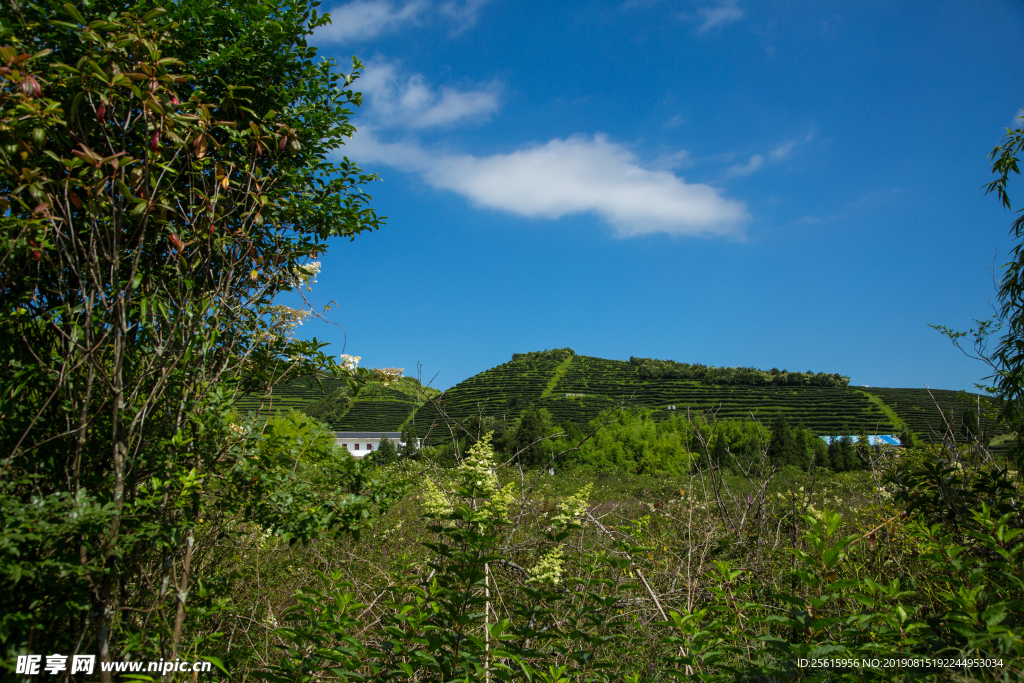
column 578, row 388
column 920, row 410
column 376, row 409
column 291, row 395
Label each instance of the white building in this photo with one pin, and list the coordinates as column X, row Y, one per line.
column 361, row 443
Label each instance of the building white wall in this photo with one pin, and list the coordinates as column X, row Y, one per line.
column 350, row 443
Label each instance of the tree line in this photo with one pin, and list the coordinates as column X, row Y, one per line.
column 650, row 368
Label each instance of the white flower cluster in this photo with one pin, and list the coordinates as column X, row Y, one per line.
column 283, row 321
column 350, row 363
column 477, row 470
column 574, row 506
column 549, row 569
column 387, row 375
column 435, row 501
column 305, row 275
column 476, row 474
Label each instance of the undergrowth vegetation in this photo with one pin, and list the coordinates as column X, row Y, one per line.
column 484, row 571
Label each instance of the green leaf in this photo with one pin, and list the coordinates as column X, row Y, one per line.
column 74, row 13
column 153, row 14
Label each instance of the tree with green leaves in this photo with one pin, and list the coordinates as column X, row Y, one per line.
column 782, row 446
column 409, row 449
column 528, row 438
column 801, row 447
column 166, row 171
column 1009, row 354
column 385, row 453
column 969, row 425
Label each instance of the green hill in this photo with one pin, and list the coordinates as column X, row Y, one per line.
column 578, row 388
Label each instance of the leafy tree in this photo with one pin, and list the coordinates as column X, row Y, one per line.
column 842, row 455
column 782, row 448
column 969, row 425
column 409, row 450
column 165, row 173
column 573, row 433
column 528, row 438
column 1008, row 365
column 720, row 450
column 385, row 454
column 821, row 453
column 802, row 439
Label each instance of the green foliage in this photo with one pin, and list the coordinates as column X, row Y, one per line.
column 587, row 387
column 576, row 389
column 557, row 355
column 969, row 425
column 636, row 443
column 1008, row 368
column 649, row 368
column 385, row 453
column 469, row 619
column 580, row 581
column 782, row 448
column 331, row 408
column 295, row 436
column 409, row 447
column 527, row 443
column 165, row 173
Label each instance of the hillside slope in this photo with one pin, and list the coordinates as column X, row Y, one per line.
column 577, row 388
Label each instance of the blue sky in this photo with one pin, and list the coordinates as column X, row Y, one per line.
column 773, row 184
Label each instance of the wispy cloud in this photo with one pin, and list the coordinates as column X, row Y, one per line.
column 464, row 13
column 577, row 175
column 668, row 162
column 676, row 121
column 395, row 98
column 724, row 12
column 364, row 19
column 753, row 164
column 756, row 162
column 783, row 150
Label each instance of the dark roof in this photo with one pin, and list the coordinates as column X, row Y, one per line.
column 367, row 435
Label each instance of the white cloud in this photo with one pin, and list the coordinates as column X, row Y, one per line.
column 572, row 176
column 783, row 150
column 396, row 98
column 465, row 13
column 364, row 19
column 723, row 13
column 668, row 162
column 755, row 162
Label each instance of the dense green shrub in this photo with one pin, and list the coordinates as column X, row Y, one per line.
column 650, row 368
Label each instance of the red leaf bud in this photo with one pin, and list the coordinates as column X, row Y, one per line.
column 30, row 87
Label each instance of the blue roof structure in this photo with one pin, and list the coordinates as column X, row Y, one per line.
column 873, row 439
